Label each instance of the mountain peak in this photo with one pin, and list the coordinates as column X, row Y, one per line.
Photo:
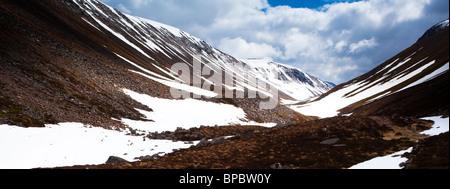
column 435, row 29
column 79, row 56
column 289, row 80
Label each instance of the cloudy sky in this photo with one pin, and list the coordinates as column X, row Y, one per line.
column 335, row 40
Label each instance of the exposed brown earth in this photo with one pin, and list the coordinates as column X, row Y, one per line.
column 418, row 101
column 335, row 143
column 55, row 67
column 431, row 153
column 52, row 73
column 426, row 99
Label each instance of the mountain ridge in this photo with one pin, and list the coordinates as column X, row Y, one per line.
column 290, row 80
column 419, row 63
column 85, row 53
column 435, row 29
column 84, row 62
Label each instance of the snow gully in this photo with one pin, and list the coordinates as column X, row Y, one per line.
column 236, row 86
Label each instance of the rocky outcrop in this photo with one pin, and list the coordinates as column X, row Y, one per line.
column 115, row 160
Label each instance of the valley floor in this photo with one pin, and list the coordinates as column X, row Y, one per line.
column 336, row 143
column 69, row 144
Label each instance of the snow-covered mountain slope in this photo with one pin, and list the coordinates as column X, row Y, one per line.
column 289, row 80
column 159, row 47
column 423, row 62
column 70, row 58
column 175, row 46
column 69, row 144
column 71, row 67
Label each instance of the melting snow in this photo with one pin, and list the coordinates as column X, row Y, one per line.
column 168, row 115
column 393, row 161
column 69, row 144
column 441, row 125
column 180, row 86
column 330, row 105
column 429, row 76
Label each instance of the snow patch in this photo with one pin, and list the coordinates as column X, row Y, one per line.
column 180, row 86
column 429, row 76
column 441, row 125
column 392, row 161
column 168, row 114
column 69, row 144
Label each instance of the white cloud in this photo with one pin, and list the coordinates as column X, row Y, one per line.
column 306, row 38
column 335, row 71
column 140, row 3
column 362, row 45
column 298, row 44
column 339, row 47
column 243, row 49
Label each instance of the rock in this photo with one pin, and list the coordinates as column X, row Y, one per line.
column 133, row 132
column 149, row 158
column 144, row 158
column 197, row 135
column 115, row 160
column 181, row 130
column 193, row 166
column 330, row 141
column 203, row 143
column 276, row 166
column 218, row 140
column 289, row 123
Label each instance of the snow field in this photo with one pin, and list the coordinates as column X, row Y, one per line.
column 69, row 144
column 168, row 115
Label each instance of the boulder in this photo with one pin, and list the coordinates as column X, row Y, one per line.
column 276, row 166
column 203, row 142
column 218, row 140
column 115, row 160
column 330, row 141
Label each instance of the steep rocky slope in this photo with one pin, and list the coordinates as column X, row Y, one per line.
column 69, row 61
column 417, row 76
column 75, row 61
column 51, row 72
column 428, row 92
